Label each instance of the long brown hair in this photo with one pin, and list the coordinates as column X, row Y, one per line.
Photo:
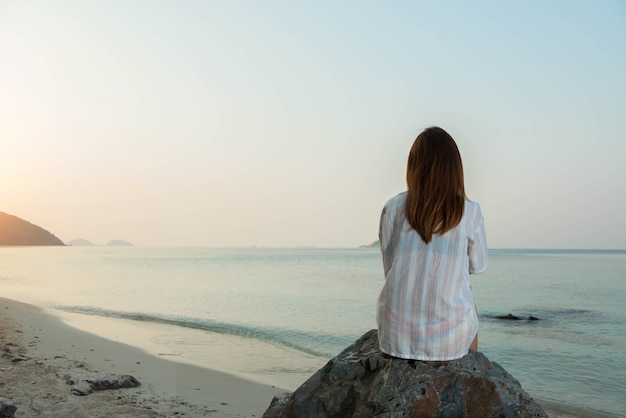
column 436, row 190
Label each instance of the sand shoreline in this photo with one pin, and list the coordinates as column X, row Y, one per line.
column 57, row 354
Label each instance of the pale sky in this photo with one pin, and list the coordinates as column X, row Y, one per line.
column 288, row 123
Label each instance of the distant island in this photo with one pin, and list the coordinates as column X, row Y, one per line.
column 86, row 243
column 17, row 231
column 80, row 243
column 374, row 244
column 119, row 243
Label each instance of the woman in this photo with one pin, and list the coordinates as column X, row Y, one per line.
column 432, row 238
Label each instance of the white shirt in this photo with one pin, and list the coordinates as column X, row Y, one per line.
column 426, row 309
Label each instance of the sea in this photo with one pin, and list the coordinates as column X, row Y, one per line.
column 281, row 313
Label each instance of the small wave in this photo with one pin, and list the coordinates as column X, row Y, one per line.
column 565, row 311
column 313, row 343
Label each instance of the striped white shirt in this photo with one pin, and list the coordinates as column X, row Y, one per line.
column 426, row 309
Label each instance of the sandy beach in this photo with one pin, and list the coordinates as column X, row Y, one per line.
column 43, row 360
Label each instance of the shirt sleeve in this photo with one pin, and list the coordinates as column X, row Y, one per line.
column 477, row 249
column 383, row 234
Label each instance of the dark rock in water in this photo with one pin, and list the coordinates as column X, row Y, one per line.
column 512, row 317
column 509, row 317
column 363, row 382
column 7, row 410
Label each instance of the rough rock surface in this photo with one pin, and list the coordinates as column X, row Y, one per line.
column 363, row 382
column 103, row 383
column 7, row 410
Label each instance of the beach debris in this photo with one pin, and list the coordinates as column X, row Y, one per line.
column 362, row 381
column 7, row 410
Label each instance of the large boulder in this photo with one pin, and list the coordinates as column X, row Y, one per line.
column 363, row 382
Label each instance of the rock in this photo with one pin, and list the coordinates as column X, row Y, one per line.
column 112, row 382
column 78, row 391
column 69, row 380
column 363, row 382
column 103, row 383
column 7, row 410
column 14, row 358
column 512, row 317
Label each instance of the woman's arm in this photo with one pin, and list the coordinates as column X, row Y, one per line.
column 477, row 250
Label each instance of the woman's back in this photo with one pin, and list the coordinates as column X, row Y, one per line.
column 426, row 307
column 432, row 238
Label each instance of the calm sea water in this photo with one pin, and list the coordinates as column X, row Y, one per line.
column 318, row 301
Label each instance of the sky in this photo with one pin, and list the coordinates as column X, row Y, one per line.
column 288, row 123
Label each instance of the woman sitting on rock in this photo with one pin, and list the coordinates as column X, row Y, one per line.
column 432, row 238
